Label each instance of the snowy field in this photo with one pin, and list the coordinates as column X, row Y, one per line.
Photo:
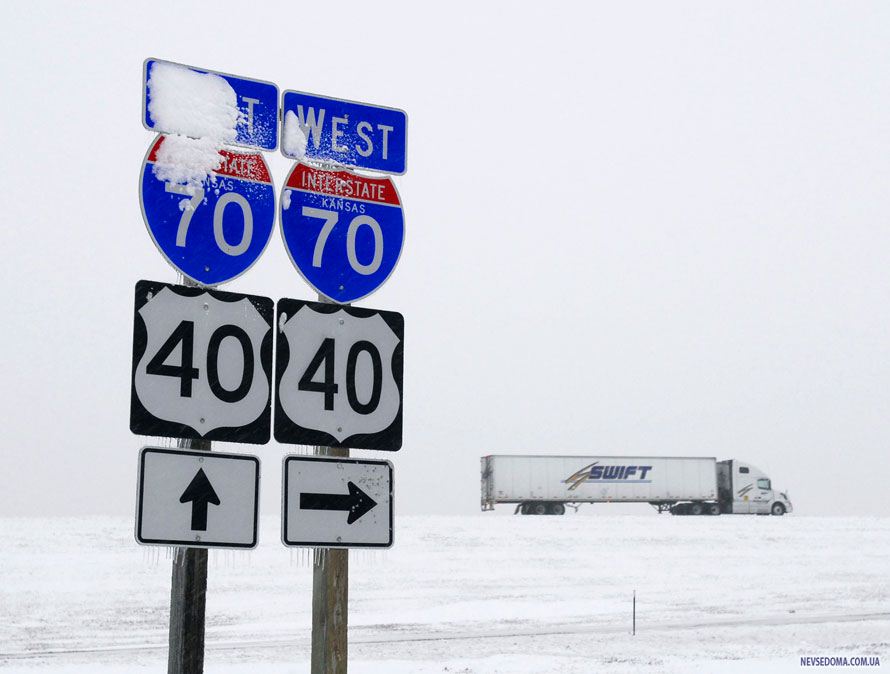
column 469, row 595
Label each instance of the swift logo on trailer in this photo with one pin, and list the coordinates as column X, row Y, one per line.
column 598, row 473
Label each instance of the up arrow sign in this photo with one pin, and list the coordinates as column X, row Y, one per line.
column 161, row 517
column 356, row 502
column 200, row 492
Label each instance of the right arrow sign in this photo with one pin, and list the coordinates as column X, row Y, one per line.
column 356, row 502
column 337, row 502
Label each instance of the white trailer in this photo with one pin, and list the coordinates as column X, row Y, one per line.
column 682, row 485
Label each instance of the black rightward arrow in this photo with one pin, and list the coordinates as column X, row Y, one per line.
column 356, row 502
column 200, row 493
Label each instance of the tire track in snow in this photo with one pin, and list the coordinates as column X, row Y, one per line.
column 541, row 631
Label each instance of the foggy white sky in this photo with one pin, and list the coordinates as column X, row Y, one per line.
column 646, row 228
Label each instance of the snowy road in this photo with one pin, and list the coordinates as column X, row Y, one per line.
column 373, row 635
column 491, row 593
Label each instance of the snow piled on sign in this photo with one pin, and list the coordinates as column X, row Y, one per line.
column 199, row 112
column 293, row 142
column 187, row 161
column 294, row 138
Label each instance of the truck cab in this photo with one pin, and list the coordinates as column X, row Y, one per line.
column 745, row 489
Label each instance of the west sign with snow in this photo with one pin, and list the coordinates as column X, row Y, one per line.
column 336, row 503
column 201, row 103
column 338, row 376
column 197, row 499
column 343, row 232
column 211, row 226
column 202, row 364
column 344, row 132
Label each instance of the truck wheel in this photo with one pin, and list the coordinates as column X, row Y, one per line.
column 557, row 509
column 696, row 509
column 714, row 509
column 524, row 508
column 539, row 509
column 778, row 509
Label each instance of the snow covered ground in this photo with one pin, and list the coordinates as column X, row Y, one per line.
column 469, row 595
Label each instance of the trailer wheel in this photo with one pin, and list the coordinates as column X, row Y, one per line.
column 525, row 508
column 714, row 509
column 557, row 509
column 778, row 509
column 696, row 509
column 539, row 509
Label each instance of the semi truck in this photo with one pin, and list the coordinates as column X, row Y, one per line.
column 681, row 485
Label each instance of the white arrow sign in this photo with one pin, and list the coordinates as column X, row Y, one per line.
column 197, row 499
column 336, row 502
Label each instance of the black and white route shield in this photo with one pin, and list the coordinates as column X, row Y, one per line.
column 338, row 373
column 202, row 364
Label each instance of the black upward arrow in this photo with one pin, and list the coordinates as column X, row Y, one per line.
column 200, row 493
column 356, row 502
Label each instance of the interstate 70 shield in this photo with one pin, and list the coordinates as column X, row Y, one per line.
column 343, row 232
column 338, row 376
column 214, row 232
column 202, row 364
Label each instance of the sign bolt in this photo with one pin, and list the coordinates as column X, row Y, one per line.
column 206, row 307
column 339, row 428
column 197, row 538
column 341, row 321
column 201, row 420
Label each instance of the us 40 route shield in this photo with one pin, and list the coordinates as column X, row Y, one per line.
column 338, row 373
column 202, row 364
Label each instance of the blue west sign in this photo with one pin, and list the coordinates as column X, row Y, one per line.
column 257, row 101
column 349, row 133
